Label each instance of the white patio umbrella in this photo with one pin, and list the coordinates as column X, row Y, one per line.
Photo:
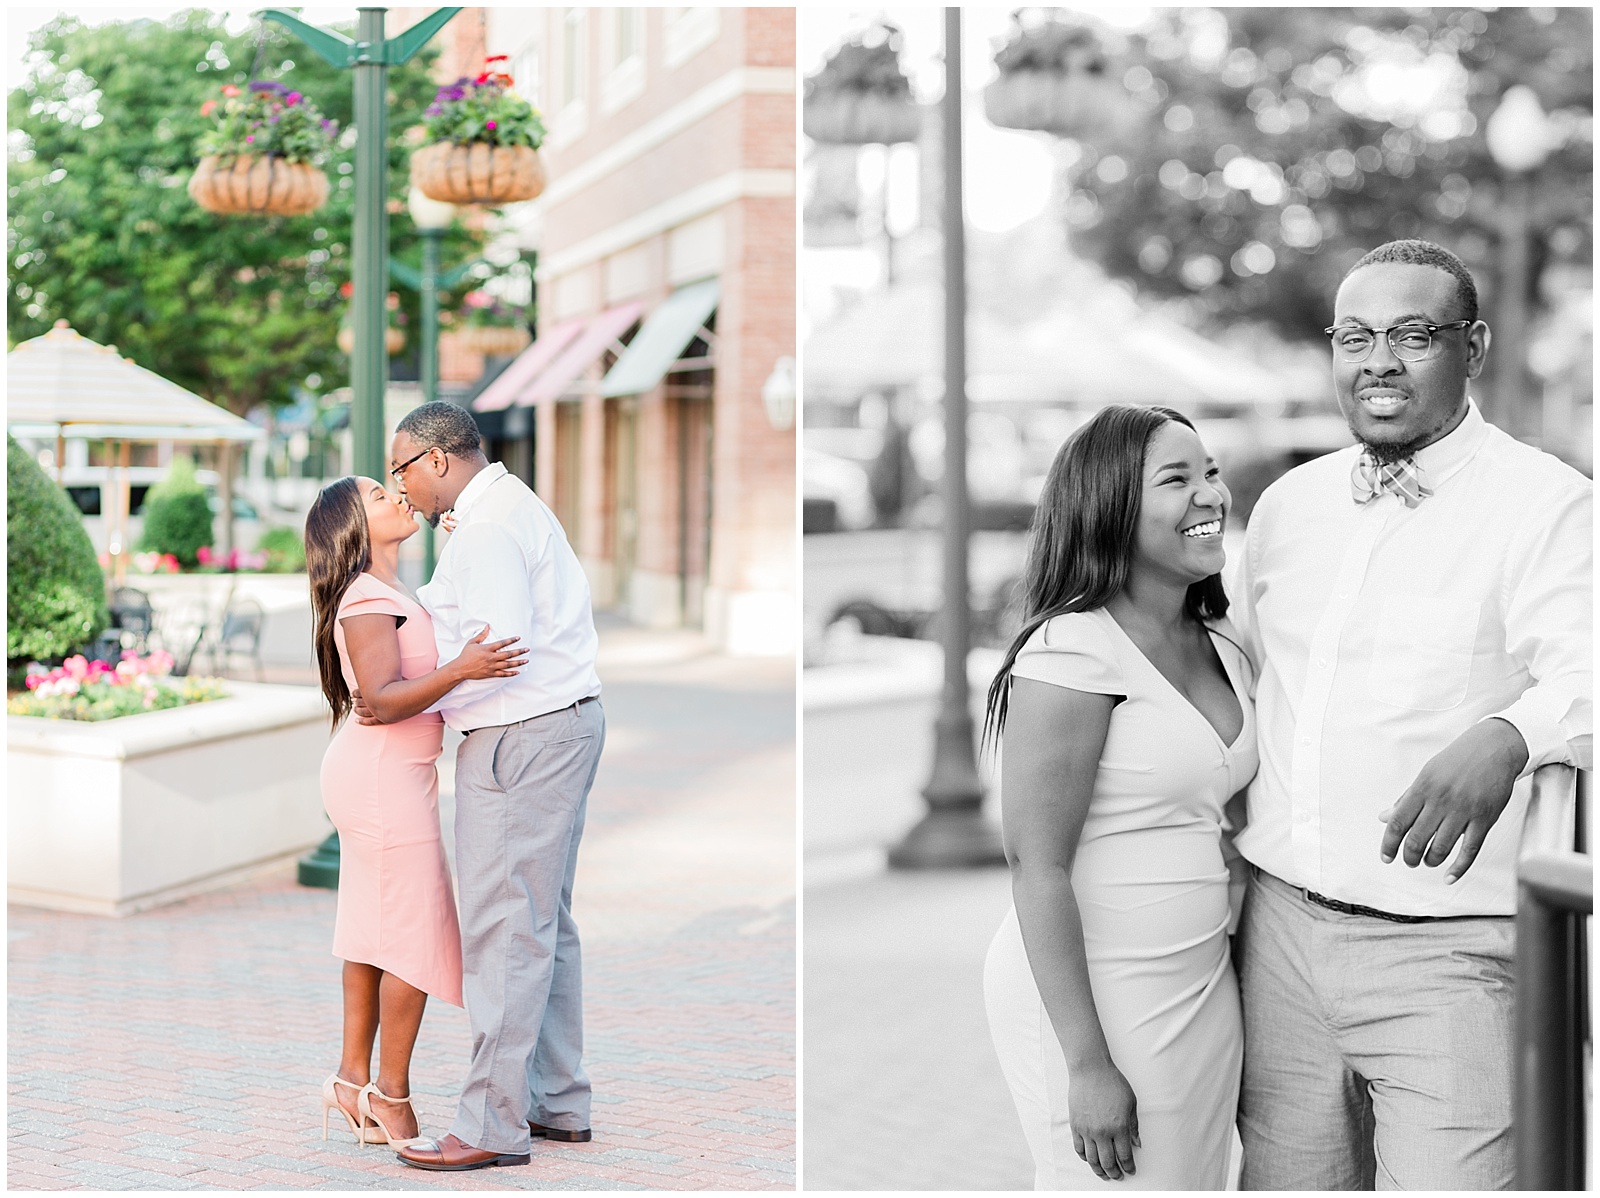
column 64, row 385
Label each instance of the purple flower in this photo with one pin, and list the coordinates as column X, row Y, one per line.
column 488, row 124
column 268, row 85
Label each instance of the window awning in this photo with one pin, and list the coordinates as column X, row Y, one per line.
column 507, row 388
column 665, row 335
column 600, row 335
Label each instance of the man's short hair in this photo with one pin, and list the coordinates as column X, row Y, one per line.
column 449, row 427
column 1412, row 252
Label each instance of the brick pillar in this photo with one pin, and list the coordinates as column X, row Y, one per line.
column 750, row 606
column 594, row 485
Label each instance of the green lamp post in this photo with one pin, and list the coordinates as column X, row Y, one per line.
column 432, row 218
column 368, row 59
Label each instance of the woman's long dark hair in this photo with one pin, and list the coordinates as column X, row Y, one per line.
column 1084, row 531
column 338, row 548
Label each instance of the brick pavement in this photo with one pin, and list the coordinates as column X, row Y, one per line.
column 184, row 1048
column 902, row 1087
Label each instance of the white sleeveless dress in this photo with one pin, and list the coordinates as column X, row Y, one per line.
column 1152, row 889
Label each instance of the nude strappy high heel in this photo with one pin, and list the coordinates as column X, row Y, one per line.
column 381, row 1133
column 330, row 1102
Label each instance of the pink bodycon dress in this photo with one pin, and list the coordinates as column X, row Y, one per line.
column 381, row 789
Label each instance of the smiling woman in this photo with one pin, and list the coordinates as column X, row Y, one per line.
column 1124, row 709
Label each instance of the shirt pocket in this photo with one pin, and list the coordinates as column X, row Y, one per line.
column 1422, row 652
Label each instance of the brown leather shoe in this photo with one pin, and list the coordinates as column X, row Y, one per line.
column 450, row 1154
column 556, row 1133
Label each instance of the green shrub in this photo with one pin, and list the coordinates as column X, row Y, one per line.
column 177, row 515
column 286, row 552
column 55, row 593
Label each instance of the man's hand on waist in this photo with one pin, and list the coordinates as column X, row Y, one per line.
column 1457, row 795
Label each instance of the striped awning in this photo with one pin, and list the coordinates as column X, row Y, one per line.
column 666, row 333
column 509, row 386
column 64, row 384
column 601, row 334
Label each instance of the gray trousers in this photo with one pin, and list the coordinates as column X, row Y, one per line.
column 521, row 793
column 1377, row 1055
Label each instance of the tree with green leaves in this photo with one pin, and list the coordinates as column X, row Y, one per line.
column 101, row 232
column 1262, row 156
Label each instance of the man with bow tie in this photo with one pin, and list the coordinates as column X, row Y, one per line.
column 1420, row 606
column 523, row 775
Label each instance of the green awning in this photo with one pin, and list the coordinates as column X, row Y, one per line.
column 666, row 333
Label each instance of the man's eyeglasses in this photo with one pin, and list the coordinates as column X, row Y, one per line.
column 401, row 468
column 1408, row 342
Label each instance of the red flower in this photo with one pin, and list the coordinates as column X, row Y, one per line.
column 208, row 108
column 346, row 289
column 498, row 58
column 482, row 79
column 230, row 91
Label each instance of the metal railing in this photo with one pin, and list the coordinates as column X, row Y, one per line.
column 1555, row 896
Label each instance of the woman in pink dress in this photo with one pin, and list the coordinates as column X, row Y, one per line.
column 396, row 924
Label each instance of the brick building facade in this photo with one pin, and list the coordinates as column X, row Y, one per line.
column 666, row 285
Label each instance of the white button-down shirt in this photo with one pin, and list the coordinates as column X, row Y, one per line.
column 1383, row 632
column 508, row 565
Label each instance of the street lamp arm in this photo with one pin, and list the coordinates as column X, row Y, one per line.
column 408, row 276
column 405, row 275
column 398, row 50
column 455, row 274
column 333, row 48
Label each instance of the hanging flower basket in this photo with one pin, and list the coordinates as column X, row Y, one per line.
column 259, row 186
column 494, row 343
column 1054, row 79
column 263, row 155
column 483, row 143
column 861, row 96
column 393, row 340
column 858, row 118
column 477, row 173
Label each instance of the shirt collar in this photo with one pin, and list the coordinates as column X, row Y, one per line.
column 1452, row 451
column 473, row 491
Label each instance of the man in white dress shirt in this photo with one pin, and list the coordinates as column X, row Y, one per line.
column 523, row 775
column 1420, row 606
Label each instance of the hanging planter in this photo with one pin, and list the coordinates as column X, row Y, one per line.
column 861, row 96
column 394, row 339
column 262, row 157
column 1054, row 78
column 482, row 143
column 492, row 342
column 492, row 327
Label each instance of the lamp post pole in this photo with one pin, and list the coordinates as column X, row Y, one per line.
column 954, row 832
column 1519, row 138
column 368, row 58
column 430, row 356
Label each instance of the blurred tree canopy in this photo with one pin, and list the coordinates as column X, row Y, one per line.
column 101, row 232
column 1266, row 149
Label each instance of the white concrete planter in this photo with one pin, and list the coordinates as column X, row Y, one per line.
column 113, row 817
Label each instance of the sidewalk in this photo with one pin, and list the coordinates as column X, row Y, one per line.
column 184, row 1048
column 903, row 1090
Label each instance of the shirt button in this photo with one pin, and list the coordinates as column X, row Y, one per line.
column 1322, row 663
column 1305, row 740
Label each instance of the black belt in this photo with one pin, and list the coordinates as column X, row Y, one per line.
column 540, row 716
column 1357, row 909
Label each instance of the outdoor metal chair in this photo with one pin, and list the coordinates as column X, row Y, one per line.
column 132, row 618
column 239, row 636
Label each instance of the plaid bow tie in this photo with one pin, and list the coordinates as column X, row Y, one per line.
column 1369, row 478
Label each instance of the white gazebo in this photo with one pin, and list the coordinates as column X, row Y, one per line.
column 63, row 385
